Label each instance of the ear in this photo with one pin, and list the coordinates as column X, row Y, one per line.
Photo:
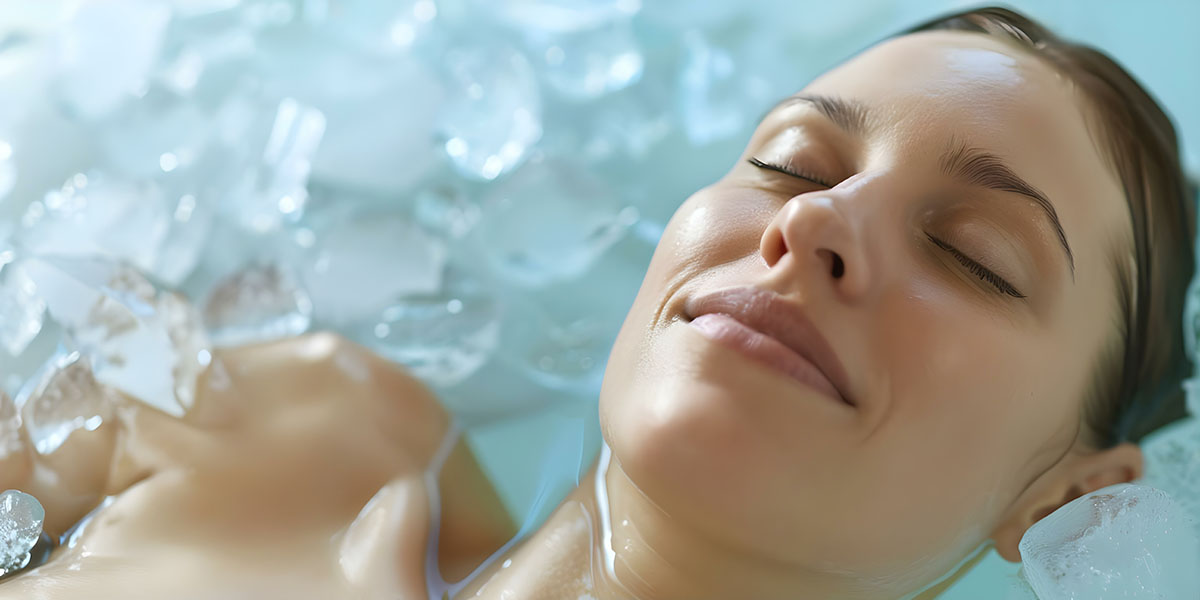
column 1078, row 473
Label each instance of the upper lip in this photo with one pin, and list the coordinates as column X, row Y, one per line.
column 769, row 313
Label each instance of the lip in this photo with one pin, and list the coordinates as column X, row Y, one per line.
column 763, row 325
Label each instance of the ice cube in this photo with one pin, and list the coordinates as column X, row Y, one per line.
column 257, row 303
column 1122, row 541
column 146, row 344
column 147, row 223
column 11, row 442
column 22, row 312
column 548, row 222
column 273, row 190
column 443, row 337
column 65, row 398
column 8, row 169
column 363, row 262
column 21, row 517
column 563, row 16
column 1172, row 457
column 494, row 111
column 445, row 211
column 97, row 66
column 587, row 64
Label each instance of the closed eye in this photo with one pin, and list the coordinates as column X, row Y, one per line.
column 786, row 170
column 980, row 271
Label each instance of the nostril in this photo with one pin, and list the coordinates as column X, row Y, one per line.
column 833, row 261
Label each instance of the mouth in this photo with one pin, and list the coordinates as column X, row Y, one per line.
column 765, row 327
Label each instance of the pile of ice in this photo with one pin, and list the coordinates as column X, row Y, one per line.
column 437, row 179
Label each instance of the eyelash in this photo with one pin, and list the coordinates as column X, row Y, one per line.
column 980, row 271
column 786, row 170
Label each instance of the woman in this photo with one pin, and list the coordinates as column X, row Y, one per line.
column 913, row 318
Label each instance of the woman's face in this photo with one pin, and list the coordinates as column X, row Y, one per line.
column 937, row 181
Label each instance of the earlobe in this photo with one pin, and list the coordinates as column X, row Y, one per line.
column 1077, row 475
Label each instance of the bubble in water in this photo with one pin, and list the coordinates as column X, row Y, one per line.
column 443, row 337
column 65, row 400
column 257, row 303
column 21, row 517
column 363, row 262
column 494, row 111
column 1122, row 541
column 549, row 222
column 586, row 64
column 22, row 312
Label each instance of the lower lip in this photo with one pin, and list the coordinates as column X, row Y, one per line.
column 729, row 332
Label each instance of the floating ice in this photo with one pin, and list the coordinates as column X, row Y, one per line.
column 445, row 211
column 8, row 169
column 443, row 337
column 11, row 442
column 1172, row 456
column 146, row 223
column 563, row 16
column 22, row 312
column 21, row 517
column 96, row 68
column 273, row 190
column 588, row 63
column 549, row 222
column 257, row 303
column 364, row 262
column 561, row 354
column 382, row 27
column 494, row 113
column 146, row 344
column 65, row 400
column 1123, row 541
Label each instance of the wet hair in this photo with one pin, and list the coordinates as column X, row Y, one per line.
column 1137, row 385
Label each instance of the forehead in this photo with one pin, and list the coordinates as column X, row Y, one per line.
column 925, row 89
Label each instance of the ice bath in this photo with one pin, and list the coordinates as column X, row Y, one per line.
column 604, row 300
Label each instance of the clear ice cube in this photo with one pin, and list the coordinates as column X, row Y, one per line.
column 1122, row 541
column 146, row 344
column 273, row 189
column 1172, row 459
column 586, row 64
column 443, row 337
column 63, row 399
column 22, row 312
column 363, row 262
column 97, row 67
column 148, row 223
column 493, row 113
column 11, row 440
column 548, row 222
column 257, row 303
column 21, row 517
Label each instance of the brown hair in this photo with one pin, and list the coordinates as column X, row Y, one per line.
column 1138, row 384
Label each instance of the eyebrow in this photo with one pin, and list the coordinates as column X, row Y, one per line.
column 986, row 170
column 849, row 115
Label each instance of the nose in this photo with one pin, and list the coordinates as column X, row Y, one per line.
column 821, row 244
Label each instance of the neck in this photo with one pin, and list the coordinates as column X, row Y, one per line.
column 607, row 541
